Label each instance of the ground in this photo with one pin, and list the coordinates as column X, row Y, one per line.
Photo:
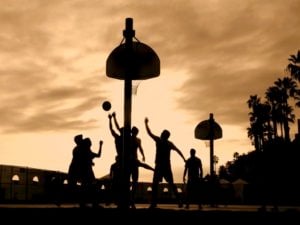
column 144, row 216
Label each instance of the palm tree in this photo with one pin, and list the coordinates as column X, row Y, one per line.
column 294, row 67
column 259, row 121
column 253, row 130
column 272, row 96
column 287, row 87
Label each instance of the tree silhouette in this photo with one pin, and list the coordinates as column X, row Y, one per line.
column 278, row 97
column 294, row 69
column 272, row 167
column 259, row 121
column 286, row 88
column 272, row 95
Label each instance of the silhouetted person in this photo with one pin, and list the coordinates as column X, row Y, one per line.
column 119, row 137
column 88, row 177
column 134, row 162
column 123, row 154
column 81, row 170
column 193, row 168
column 74, row 172
column 115, row 173
column 163, row 164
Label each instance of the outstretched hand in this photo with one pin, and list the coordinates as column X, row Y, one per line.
column 101, row 142
column 109, row 116
column 146, row 120
column 114, row 114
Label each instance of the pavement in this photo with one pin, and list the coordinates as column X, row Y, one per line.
column 142, row 215
column 235, row 208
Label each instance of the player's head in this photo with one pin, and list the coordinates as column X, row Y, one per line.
column 78, row 139
column 87, row 142
column 193, row 152
column 165, row 134
column 134, row 130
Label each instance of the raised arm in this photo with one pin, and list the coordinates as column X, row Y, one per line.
column 98, row 154
column 148, row 129
column 100, row 149
column 110, row 126
column 115, row 121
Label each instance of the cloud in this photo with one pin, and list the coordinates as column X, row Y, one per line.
column 54, row 55
column 244, row 51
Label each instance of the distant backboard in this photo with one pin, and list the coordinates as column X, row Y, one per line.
column 202, row 130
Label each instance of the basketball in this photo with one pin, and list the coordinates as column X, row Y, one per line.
column 106, row 105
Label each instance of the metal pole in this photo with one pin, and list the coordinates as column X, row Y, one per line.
column 125, row 189
column 211, row 142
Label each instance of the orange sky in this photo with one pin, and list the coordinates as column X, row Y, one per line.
column 214, row 54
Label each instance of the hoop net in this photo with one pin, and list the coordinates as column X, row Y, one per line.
column 135, row 85
column 206, row 144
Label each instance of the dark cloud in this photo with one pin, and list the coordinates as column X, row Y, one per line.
column 34, row 102
column 244, row 49
column 48, row 112
column 227, row 50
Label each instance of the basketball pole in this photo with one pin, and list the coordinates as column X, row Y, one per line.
column 130, row 61
column 211, row 142
column 128, row 33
